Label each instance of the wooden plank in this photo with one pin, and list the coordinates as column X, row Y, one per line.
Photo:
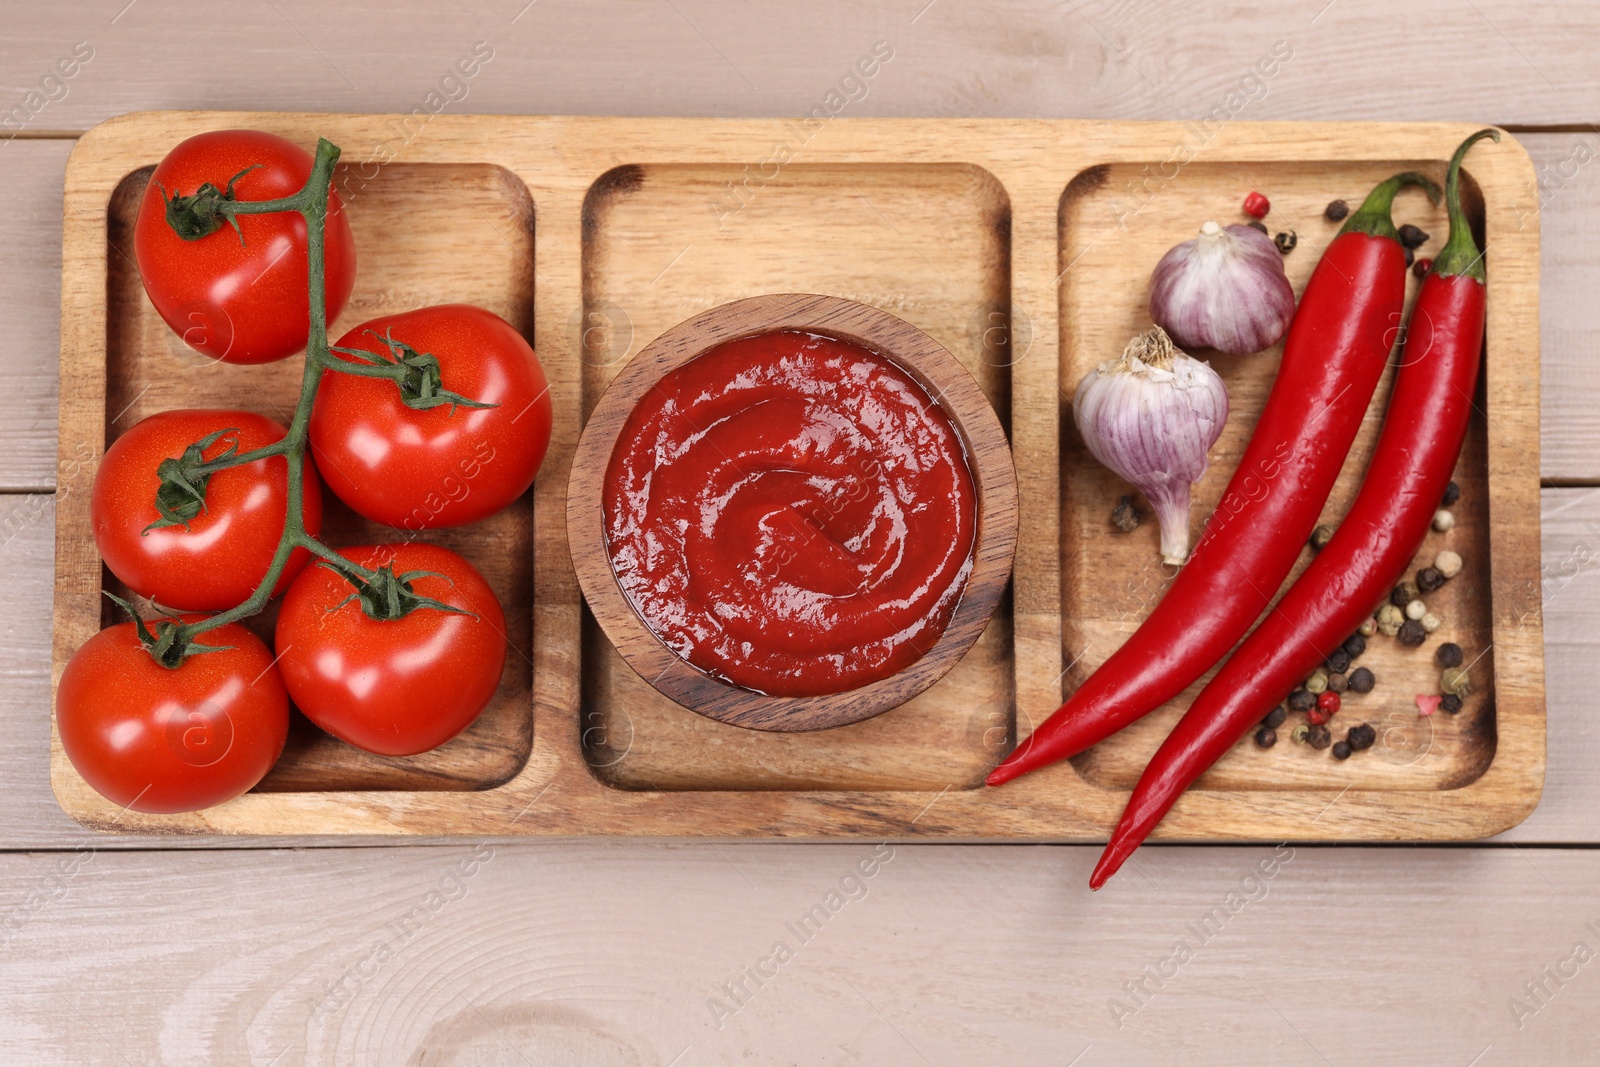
column 567, row 954
column 1097, row 59
column 30, row 231
column 1566, row 204
column 1569, row 319
column 1570, row 592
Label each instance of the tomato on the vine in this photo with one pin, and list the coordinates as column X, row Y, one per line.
column 444, row 465
column 221, row 556
column 239, row 295
column 164, row 740
column 392, row 686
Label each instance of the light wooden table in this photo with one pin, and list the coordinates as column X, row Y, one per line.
column 117, row 950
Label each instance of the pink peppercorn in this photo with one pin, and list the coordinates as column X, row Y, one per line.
column 1328, row 702
column 1256, row 205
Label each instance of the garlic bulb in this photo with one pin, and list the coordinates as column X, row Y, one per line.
column 1225, row 289
column 1151, row 416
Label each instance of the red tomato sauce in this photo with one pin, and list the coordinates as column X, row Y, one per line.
column 791, row 513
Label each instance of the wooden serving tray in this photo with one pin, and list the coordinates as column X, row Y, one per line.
column 1024, row 248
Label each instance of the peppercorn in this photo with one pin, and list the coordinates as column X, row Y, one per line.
column 1299, row 733
column 1429, row 579
column 1390, row 619
column 1455, row 680
column 1256, row 205
column 1320, row 538
column 1448, row 654
column 1257, row 224
column 1266, row 737
column 1318, row 682
column 1450, row 702
column 1369, row 626
column 1125, row 516
column 1403, row 594
column 1319, row 736
column 1421, row 267
column 1448, row 562
column 1411, row 634
column 1329, row 702
column 1339, row 662
column 1341, row 750
column 1302, row 700
column 1275, row 717
column 1444, row 520
column 1286, row 241
column 1416, row 609
column 1411, row 257
column 1361, row 737
column 1316, row 716
column 1338, row 683
column 1336, row 210
column 1452, row 493
column 1361, row 680
column 1355, row 644
column 1430, row 622
column 1412, row 237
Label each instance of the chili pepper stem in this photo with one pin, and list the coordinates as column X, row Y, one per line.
column 1373, row 216
column 1460, row 254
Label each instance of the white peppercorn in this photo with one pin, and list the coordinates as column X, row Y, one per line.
column 1448, row 563
column 1416, row 609
column 1431, row 622
column 1444, row 520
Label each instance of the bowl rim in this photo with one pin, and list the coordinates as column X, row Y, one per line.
column 945, row 379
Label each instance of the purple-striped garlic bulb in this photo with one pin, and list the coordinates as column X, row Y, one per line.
column 1225, row 289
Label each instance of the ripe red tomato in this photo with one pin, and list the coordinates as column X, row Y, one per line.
column 426, row 469
column 220, row 559
column 395, row 687
column 240, row 303
column 162, row 740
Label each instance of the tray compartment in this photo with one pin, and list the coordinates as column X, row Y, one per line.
column 408, row 219
column 929, row 243
column 1412, row 752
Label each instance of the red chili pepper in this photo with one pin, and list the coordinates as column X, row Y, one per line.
column 1256, row 205
column 1337, row 348
column 1411, row 465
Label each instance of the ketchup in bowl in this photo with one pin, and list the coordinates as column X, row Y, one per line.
column 791, row 513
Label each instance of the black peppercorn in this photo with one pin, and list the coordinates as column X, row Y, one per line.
column 1266, row 737
column 1275, row 717
column 1341, row 750
column 1412, row 237
column 1429, row 579
column 1361, row 737
column 1355, row 644
column 1403, row 594
column 1286, row 241
column 1452, row 493
column 1336, row 210
column 1339, row 662
column 1338, row 683
column 1319, row 737
column 1411, row 633
column 1125, row 516
column 1302, row 700
column 1448, row 654
column 1450, row 702
column 1411, row 257
column 1257, row 224
column 1361, row 680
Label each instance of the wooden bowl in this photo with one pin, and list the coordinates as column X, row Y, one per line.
column 919, row 355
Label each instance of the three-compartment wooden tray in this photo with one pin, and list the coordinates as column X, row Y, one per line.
column 1023, row 246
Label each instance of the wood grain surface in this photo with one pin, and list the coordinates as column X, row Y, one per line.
column 608, row 952
column 1471, row 781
